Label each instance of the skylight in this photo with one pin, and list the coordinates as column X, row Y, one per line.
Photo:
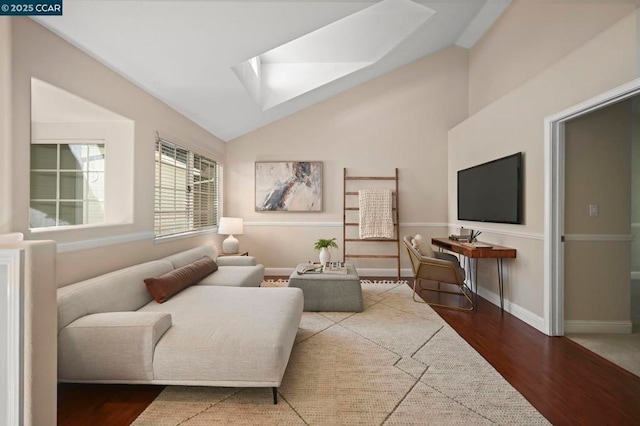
column 331, row 52
column 255, row 65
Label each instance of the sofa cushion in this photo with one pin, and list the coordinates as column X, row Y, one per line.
column 236, row 276
column 163, row 287
column 122, row 290
column 236, row 261
column 423, row 246
column 228, row 336
column 456, row 263
column 183, row 258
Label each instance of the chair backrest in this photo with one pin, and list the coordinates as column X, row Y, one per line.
column 431, row 268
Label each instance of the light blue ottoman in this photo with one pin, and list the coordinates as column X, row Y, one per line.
column 329, row 292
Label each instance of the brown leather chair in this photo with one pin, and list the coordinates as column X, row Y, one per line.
column 443, row 268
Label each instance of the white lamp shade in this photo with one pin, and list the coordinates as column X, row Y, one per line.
column 231, row 226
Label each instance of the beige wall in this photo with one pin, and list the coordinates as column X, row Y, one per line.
column 530, row 36
column 515, row 122
column 635, row 190
column 598, row 171
column 39, row 53
column 398, row 120
column 5, row 124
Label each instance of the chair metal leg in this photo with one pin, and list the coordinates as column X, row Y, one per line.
column 462, row 292
column 415, row 282
column 275, row 395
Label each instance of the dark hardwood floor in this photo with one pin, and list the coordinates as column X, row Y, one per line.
column 566, row 383
column 87, row 404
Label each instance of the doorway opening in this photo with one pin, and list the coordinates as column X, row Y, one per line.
column 554, row 291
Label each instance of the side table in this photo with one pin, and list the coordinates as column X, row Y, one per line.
column 244, row 253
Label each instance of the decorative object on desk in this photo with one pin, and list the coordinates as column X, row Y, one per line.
column 288, row 186
column 230, row 226
column 465, row 232
column 323, row 245
column 473, row 237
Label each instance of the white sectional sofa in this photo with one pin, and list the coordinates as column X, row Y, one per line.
column 224, row 331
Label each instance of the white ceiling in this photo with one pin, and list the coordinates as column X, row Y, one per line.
column 182, row 52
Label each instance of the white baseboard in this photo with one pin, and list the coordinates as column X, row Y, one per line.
column 534, row 320
column 635, row 275
column 537, row 322
column 598, row 327
column 363, row 272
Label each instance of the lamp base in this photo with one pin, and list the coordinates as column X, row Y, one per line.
column 230, row 245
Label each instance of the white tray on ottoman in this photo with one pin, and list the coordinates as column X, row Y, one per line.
column 329, row 292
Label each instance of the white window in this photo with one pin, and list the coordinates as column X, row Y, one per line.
column 67, row 184
column 186, row 190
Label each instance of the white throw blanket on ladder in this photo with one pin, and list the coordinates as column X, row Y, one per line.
column 376, row 219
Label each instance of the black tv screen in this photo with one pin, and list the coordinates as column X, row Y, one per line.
column 492, row 192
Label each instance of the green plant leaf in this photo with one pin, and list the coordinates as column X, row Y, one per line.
column 328, row 243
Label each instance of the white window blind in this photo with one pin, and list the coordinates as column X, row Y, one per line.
column 186, row 190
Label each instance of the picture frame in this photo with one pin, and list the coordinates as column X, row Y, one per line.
column 288, row 186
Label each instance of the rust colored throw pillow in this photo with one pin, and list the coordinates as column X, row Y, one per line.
column 163, row 287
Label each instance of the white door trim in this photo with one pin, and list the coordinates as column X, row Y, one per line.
column 554, row 200
column 12, row 391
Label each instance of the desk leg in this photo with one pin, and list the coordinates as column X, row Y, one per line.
column 473, row 278
column 500, row 283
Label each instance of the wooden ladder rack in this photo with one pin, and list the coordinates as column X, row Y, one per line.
column 396, row 221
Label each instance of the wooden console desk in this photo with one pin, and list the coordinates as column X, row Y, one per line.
column 470, row 251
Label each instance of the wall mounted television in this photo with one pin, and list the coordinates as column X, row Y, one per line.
column 492, row 192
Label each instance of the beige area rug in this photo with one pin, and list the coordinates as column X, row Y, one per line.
column 396, row 363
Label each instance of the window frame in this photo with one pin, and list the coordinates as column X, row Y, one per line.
column 187, row 209
column 59, row 171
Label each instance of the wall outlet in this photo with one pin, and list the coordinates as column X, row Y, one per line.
column 594, row 210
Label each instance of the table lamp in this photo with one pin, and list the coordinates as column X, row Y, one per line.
column 229, row 226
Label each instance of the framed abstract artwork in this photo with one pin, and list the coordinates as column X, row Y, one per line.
column 288, row 186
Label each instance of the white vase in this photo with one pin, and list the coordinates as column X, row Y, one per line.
column 325, row 255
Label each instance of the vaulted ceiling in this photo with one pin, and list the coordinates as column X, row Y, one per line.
column 190, row 54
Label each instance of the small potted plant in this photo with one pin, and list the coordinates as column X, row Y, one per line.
column 323, row 246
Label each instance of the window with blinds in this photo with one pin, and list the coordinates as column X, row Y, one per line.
column 186, row 190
